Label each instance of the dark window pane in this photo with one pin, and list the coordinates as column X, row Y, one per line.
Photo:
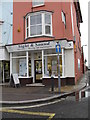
column 33, row 30
column 32, row 20
column 27, row 22
column 38, row 19
column 47, row 30
column 47, row 19
column 27, row 32
column 39, row 29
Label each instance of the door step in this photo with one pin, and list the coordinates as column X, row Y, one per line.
column 35, row 85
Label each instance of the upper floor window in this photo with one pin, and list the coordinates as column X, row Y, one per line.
column 35, row 25
column 36, row 3
column 63, row 18
column 39, row 24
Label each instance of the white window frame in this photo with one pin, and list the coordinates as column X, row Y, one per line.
column 43, row 24
column 28, row 26
column 35, row 25
column 63, row 62
column 37, row 4
column 63, row 18
column 48, row 25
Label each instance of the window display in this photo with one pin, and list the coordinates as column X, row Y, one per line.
column 1, row 72
column 22, row 67
column 7, row 71
column 29, row 67
column 52, row 66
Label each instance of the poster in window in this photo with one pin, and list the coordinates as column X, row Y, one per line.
column 22, row 67
column 54, row 67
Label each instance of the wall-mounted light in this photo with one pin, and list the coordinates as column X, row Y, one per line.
column 19, row 29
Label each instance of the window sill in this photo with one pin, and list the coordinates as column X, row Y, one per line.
column 54, row 77
column 38, row 6
column 24, row 77
column 39, row 37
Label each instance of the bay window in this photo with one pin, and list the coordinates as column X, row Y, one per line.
column 39, row 24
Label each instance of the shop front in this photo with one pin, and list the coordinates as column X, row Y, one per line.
column 37, row 62
column 4, row 65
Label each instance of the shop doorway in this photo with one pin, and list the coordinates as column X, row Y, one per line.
column 38, row 71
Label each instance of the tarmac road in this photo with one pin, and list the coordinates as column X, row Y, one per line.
column 62, row 108
column 68, row 108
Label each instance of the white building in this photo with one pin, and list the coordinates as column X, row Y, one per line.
column 6, row 9
column 4, row 59
column 88, row 54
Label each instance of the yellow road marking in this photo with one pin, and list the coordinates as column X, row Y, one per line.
column 51, row 115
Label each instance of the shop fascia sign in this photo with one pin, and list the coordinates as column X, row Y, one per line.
column 39, row 46
column 31, row 46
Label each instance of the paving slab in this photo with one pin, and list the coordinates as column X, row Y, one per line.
column 37, row 93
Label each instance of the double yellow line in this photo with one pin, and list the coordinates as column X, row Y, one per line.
column 50, row 115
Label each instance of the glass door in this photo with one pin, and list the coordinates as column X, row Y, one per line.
column 38, row 71
column 6, row 71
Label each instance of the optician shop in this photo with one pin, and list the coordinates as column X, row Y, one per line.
column 37, row 62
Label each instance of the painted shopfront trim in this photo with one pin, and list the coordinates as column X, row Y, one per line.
column 10, row 64
column 27, row 64
column 31, row 48
column 39, row 46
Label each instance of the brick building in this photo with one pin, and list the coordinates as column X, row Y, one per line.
column 37, row 27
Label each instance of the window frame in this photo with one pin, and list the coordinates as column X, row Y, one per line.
column 63, row 18
column 36, row 25
column 43, row 24
column 28, row 26
column 62, row 65
column 38, row 4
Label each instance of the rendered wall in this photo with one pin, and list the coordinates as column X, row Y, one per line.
column 0, row 33
column 69, row 63
column 4, row 55
column 15, row 66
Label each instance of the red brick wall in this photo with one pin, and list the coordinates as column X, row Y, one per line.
column 20, row 9
column 77, row 50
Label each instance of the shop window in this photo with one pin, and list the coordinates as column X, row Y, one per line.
column 1, row 72
column 36, row 3
column 39, row 24
column 22, row 67
column 6, row 71
column 51, row 65
column 29, row 67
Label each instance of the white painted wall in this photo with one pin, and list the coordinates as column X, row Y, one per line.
column 69, row 63
column 0, row 33
column 4, row 55
column 88, row 54
column 15, row 66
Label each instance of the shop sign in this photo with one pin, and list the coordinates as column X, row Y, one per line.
column 31, row 46
column 39, row 46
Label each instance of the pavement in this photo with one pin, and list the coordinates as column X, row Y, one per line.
column 38, row 93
